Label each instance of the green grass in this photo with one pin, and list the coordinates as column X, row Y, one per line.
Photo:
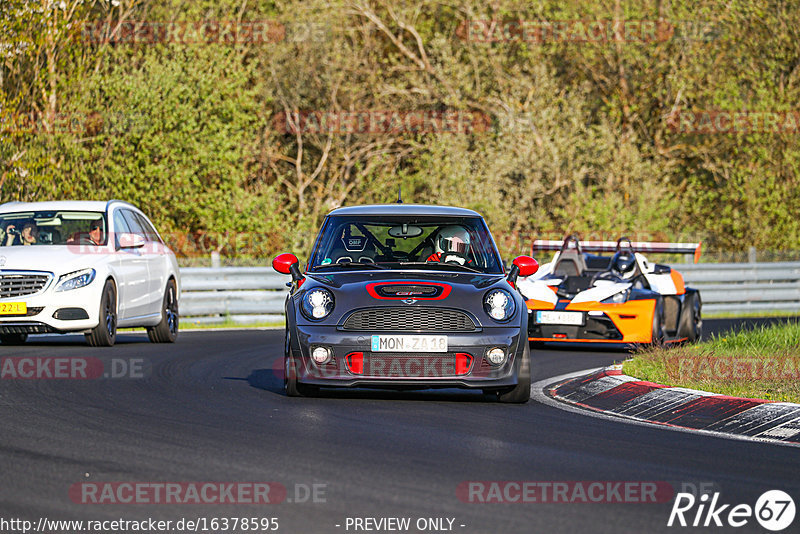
column 187, row 324
column 741, row 314
column 761, row 363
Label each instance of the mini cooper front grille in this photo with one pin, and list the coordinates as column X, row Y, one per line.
column 416, row 319
column 21, row 284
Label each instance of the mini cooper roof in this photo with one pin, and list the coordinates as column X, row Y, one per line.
column 405, row 209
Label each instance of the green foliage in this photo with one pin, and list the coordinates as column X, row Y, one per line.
column 580, row 137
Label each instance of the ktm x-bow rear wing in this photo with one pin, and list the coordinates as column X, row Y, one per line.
column 693, row 249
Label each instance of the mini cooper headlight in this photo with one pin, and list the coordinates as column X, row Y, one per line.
column 75, row 280
column 499, row 304
column 617, row 298
column 317, row 303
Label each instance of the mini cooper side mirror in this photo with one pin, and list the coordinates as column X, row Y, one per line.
column 287, row 264
column 522, row 266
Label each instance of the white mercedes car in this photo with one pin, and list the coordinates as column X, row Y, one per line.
column 84, row 266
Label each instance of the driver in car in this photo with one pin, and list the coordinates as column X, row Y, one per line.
column 96, row 232
column 451, row 245
column 623, row 264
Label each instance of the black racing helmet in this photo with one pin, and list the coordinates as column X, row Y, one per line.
column 623, row 262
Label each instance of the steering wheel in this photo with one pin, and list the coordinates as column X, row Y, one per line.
column 447, row 255
column 606, row 275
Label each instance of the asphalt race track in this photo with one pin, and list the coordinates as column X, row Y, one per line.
column 210, row 408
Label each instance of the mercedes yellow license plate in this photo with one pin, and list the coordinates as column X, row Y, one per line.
column 13, row 308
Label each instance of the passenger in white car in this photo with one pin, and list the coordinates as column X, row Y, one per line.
column 29, row 234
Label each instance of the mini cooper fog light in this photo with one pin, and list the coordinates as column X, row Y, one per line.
column 321, row 354
column 496, row 356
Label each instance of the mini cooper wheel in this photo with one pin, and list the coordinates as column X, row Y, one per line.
column 290, row 384
column 105, row 333
column 13, row 339
column 521, row 393
column 167, row 330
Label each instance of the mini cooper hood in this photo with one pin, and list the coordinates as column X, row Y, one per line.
column 57, row 259
column 347, row 281
column 396, row 288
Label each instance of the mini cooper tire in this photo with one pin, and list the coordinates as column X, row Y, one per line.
column 13, row 339
column 166, row 331
column 290, row 384
column 521, row 393
column 105, row 333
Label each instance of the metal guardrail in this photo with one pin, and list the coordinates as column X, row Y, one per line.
column 257, row 294
column 745, row 287
column 240, row 294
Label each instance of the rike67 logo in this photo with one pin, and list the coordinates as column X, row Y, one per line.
column 774, row 510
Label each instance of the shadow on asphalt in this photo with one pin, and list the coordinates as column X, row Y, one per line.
column 71, row 340
column 265, row 379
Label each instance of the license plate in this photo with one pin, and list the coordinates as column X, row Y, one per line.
column 409, row 343
column 559, row 317
column 13, row 308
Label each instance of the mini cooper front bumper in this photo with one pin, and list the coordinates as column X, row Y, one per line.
column 353, row 363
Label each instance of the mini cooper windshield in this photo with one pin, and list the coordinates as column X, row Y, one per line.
column 415, row 242
column 53, row 228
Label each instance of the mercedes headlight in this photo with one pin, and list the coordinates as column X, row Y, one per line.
column 617, row 298
column 75, row 280
column 317, row 303
column 499, row 304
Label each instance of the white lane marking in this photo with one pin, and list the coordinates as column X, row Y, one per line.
column 780, row 432
column 538, row 394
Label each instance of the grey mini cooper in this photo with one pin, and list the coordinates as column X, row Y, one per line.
column 406, row 297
